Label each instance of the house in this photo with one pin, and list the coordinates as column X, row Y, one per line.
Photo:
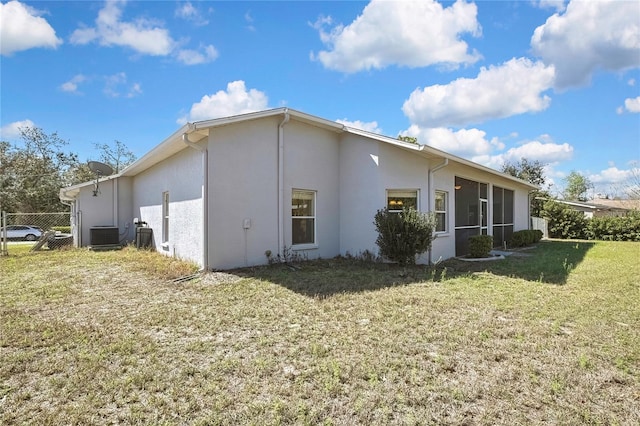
column 224, row 192
column 602, row 207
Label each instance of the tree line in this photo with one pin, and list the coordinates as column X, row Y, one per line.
column 33, row 171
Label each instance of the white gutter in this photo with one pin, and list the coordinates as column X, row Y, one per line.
column 431, row 195
column 205, row 198
column 281, row 181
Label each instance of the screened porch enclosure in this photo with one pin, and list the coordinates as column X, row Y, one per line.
column 472, row 213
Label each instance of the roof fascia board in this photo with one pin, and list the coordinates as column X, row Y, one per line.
column 146, row 160
column 301, row 116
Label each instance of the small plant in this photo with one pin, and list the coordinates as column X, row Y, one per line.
column 404, row 235
column 288, row 256
column 480, row 246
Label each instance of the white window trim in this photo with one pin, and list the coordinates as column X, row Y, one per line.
column 445, row 211
column 314, row 244
column 398, row 190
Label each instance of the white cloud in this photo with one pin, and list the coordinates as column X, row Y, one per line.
column 515, row 87
column 21, row 28
column 194, row 57
column 189, row 12
column 371, row 126
column 71, row 86
column 12, row 130
column 632, row 104
column 589, row 35
column 463, row 142
column 413, row 34
column 545, row 151
column 558, row 5
column 612, row 175
column 141, row 35
column 235, row 100
column 249, row 20
column 116, row 86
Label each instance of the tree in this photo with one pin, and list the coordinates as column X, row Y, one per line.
column 577, row 186
column 32, row 174
column 532, row 172
column 117, row 156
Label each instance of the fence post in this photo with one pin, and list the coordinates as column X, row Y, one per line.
column 3, row 235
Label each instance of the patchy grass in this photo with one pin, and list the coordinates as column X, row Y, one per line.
column 103, row 338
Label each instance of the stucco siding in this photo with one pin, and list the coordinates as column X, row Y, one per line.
column 181, row 176
column 311, row 159
column 368, row 169
column 243, row 188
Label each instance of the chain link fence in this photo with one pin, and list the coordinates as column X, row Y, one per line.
column 34, row 231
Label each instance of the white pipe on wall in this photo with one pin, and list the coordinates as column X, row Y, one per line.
column 281, row 181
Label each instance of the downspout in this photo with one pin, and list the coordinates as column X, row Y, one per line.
column 114, row 192
column 431, row 198
column 205, row 198
column 281, row 182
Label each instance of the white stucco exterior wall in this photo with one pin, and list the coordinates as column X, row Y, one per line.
column 368, row 169
column 311, row 157
column 243, row 186
column 182, row 176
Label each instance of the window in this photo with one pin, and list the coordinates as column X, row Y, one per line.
column 441, row 211
column 165, row 217
column 398, row 200
column 303, row 217
column 502, row 215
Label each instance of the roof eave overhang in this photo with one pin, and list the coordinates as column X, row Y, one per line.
column 434, row 153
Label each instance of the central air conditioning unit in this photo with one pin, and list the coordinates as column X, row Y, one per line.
column 103, row 236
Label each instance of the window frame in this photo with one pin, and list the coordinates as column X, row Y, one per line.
column 165, row 217
column 444, row 212
column 399, row 192
column 313, row 217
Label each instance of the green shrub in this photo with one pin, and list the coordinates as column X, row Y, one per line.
column 62, row 229
column 480, row 245
column 613, row 228
column 537, row 235
column 564, row 222
column 525, row 237
column 404, row 235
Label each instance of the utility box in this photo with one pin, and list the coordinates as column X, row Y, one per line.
column 144, row 237
column 103, row 236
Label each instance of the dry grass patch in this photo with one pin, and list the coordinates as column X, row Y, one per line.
column 97, row 338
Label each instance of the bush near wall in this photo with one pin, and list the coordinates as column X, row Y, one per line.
column 480, row 246
column 615, row 228
column 404, row 235
column 525, row 237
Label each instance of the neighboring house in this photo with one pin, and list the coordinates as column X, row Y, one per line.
column 223, row 192
column 601, row 207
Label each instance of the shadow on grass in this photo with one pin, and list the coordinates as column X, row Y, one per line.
column 549, row 262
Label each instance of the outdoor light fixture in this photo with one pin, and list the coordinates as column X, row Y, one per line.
column 458, row 186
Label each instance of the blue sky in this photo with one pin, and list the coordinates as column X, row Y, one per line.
column 490, row 81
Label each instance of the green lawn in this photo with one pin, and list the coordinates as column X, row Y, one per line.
column 549, row 335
